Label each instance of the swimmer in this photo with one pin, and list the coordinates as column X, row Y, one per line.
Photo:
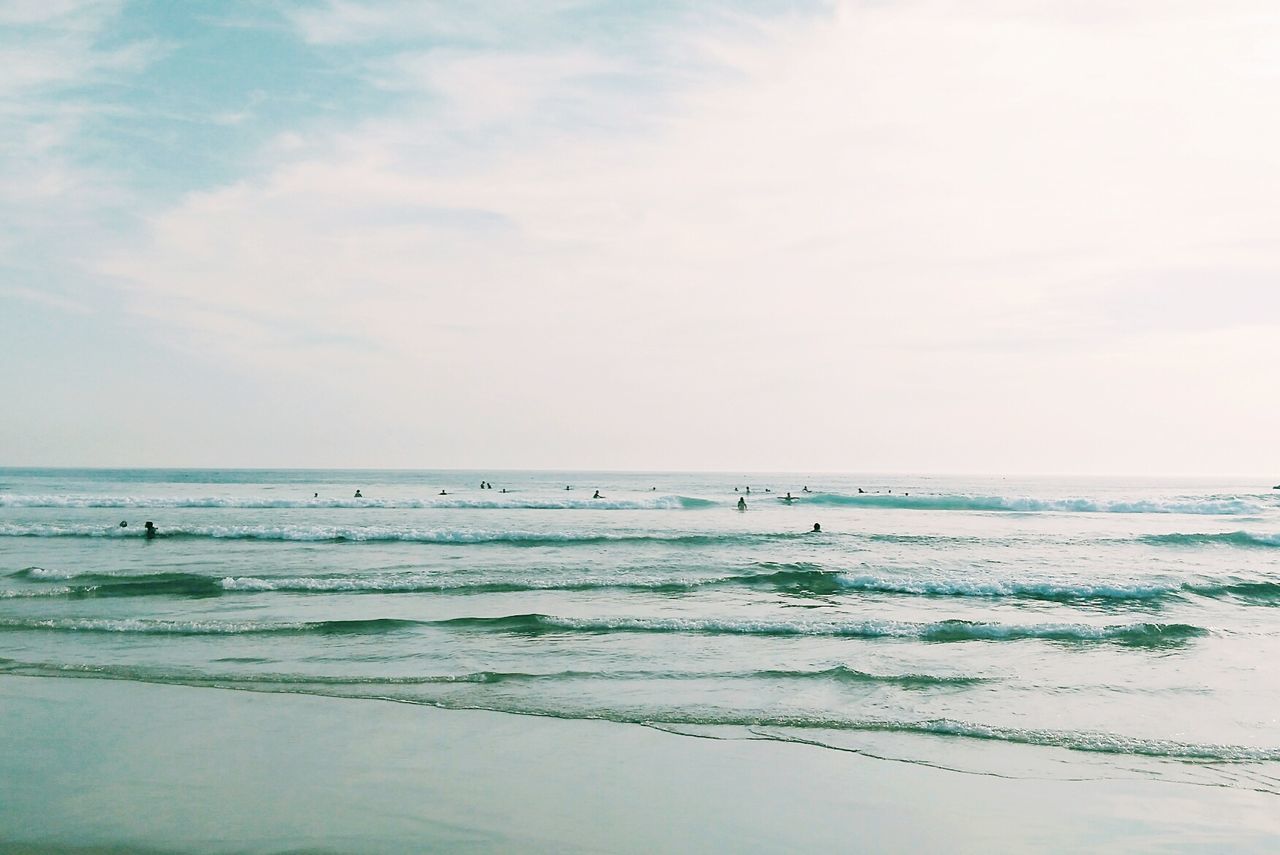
column 359, row 495
column 817, row 527
column 152, row 531
column 742, row 504
column 504, row 489
column 806, row 489
column 315, row 495
column 597, row 495
column 443, row 493
column 860, row 490
column 124, row 523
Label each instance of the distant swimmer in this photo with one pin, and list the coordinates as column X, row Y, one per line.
column 152, row 531
column 124, row 523
column 817, row 527
column 504, row 489
column 567, row 487
column 860, row 490
column 806, row 489
column 359, row 495
column 315, row 495
column 767, row 490
column 742, row 504
column 443, row 493
column 597, row 495
column 748, row 491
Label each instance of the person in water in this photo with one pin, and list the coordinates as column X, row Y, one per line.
column 788, row 497
column 152, row 531
column 443, row 493
column 597, row 495
column 124, row 523
column 817, row 527
column 315, row 495
column 359, row 495
column 742, row 504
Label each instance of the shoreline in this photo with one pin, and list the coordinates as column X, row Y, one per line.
column 102, row 765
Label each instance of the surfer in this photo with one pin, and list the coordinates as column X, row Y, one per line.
column 152, row 531
column 443, row 493
column 860, row 490
column 359, row 495
column 742, row 504
column 124, row 523
column 817, row 527
column 787, row 498
column 806, row 489
column 597, row 495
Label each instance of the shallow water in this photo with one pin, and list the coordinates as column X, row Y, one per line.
column 1111, row 628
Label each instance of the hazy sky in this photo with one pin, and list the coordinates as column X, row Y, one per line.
column 997, row 236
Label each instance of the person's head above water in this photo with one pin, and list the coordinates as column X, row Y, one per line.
column 817, row 527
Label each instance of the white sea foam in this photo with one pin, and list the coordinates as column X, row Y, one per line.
column 507, row 502
column 1007, row 588
column 322, row 533
column 1214, row 505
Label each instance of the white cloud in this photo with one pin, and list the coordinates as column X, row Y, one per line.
column 888, row 237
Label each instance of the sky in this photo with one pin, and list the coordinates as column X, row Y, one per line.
column 991, row 236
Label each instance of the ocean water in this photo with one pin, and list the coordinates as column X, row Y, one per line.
column 1061, row 628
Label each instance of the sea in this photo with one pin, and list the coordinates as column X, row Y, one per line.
column 1051, row 627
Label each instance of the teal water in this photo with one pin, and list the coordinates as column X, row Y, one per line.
column 1113, row 628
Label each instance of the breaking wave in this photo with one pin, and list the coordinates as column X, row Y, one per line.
column 508, row 502
column 1223, row 538
column 1139, row 634
column 1222, row 505
column 790, row 578
column 340, row 534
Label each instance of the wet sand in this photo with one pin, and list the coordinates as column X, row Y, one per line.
column 96, row 765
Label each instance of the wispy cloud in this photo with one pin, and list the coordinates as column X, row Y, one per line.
column 897, row 215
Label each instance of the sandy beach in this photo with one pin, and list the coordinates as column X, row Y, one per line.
column 92, row 764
